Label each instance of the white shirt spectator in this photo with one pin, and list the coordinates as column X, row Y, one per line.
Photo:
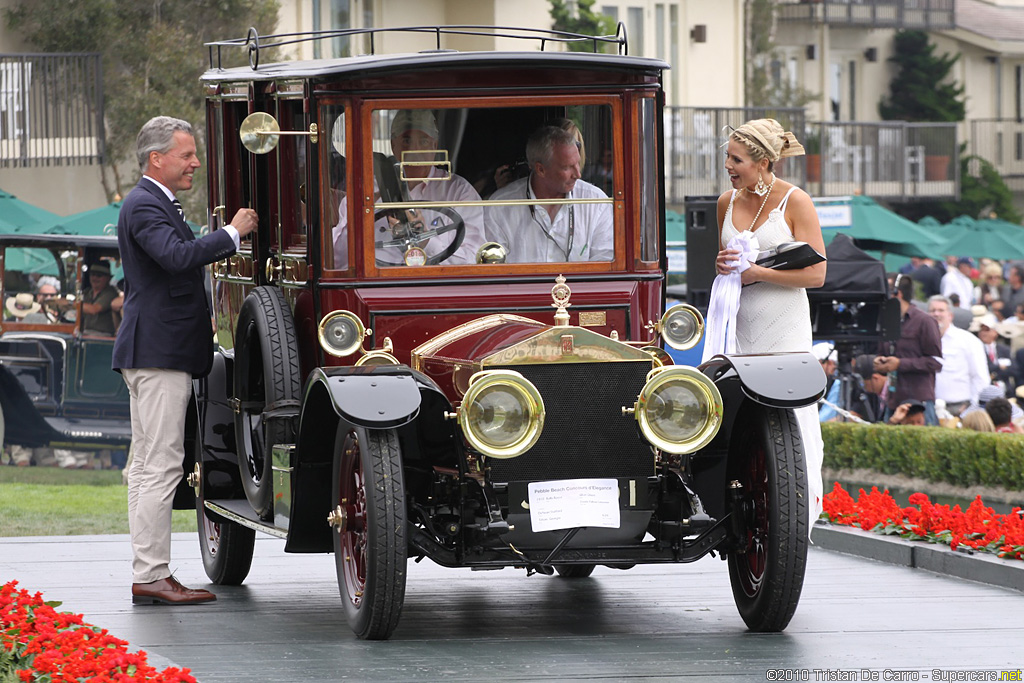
column 955, row 282
column 964, row 368
column 579, row 232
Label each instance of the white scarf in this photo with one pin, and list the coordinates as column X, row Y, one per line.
column 725, row 298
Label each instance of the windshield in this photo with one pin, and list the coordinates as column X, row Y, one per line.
column 483, row 184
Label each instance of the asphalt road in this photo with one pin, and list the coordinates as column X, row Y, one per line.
column 857, row 619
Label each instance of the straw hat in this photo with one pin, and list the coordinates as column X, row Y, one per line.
column 22, row 304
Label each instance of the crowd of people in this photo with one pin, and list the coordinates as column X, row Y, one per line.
column 959, row 359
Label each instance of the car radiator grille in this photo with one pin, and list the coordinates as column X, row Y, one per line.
column 585, row 433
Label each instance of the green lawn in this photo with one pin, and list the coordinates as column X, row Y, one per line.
column 51, row 501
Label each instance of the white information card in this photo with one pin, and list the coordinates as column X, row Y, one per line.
column 570, row 503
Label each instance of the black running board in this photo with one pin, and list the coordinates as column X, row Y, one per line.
column 240, row 512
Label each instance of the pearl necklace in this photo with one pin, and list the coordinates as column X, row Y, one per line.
column 763, row 202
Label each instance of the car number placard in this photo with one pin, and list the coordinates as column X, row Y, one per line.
column 569, row 503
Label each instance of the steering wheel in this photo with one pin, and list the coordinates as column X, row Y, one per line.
column 411, row 237
column 393, row 189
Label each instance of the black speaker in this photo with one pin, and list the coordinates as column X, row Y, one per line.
column 701, row 248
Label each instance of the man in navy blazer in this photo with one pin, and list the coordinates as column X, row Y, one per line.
column 165, row 340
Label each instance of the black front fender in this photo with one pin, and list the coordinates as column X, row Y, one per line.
column 376, row 397
column 779, row 380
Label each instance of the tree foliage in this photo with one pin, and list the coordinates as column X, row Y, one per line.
column 762, row 87
column 152, row 53
column 983, row 194
column 585, row 21
column 921, row 90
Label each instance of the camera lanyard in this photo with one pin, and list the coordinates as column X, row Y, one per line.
column 567, row 251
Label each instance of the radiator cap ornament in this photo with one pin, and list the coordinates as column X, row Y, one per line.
column 560, row 293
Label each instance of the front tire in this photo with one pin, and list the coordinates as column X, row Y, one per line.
column 266, row 377
column 767, row 570
column 574, row 571
column 370, row 544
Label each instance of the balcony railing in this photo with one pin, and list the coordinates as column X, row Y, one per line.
column 915, row 14
column 892, row 160
column 51, row 109
column 1000, row 142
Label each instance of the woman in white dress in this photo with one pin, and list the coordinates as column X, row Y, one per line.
column 774, row 315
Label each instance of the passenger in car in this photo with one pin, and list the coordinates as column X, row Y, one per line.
column 544, row 233
column 96, row 314
column 415, row 130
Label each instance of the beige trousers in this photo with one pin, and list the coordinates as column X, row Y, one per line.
column 159, row 399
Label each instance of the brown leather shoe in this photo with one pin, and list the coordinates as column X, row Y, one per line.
column 168, row 592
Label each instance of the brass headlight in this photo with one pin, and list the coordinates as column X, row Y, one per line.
column 341, row 333
column 377, row 357
column 502, row 413
column 682, row 327
column 679, row 409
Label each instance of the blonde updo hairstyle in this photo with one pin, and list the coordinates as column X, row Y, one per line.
column 978, row 420
column 766, row 139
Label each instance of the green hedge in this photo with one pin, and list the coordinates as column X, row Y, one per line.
column 955, row 456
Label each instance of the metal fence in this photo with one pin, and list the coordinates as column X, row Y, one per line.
column 51, row 109
column 892, row 160
column 913, row 14
column 1001, row 143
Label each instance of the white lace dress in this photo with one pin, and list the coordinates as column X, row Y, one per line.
column 774, row 318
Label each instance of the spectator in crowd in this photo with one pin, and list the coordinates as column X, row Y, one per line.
column 915, row 358
column 1013, row 291
column 990, row 289
column 925, row 271
column 96, row 300
column 962, row 317
column 1000, row 365
column 958, row 281
column 825, row 352
column 978, row 421
column 964, row 370
column 989, row 393
column 1001, row 412
column 866, row 401
column 910, row 412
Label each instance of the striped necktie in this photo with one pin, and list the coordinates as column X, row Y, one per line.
column 177, row 205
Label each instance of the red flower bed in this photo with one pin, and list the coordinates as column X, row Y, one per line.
column 979, row 528
column 39, row 643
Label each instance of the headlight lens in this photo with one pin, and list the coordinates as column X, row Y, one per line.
column 341, row 333
column 679, row 409
column 502, row 413
column 682, row 327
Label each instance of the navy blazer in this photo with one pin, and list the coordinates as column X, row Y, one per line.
column 166, row 318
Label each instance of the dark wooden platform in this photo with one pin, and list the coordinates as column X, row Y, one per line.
column 648, row 623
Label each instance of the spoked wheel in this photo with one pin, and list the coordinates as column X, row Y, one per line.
column 767, row 570
column 369, row 523
column 266, row 381
column 574, row 571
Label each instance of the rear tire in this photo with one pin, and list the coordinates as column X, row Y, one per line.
column 370, row 552
column 266, row 375
column 767, row 571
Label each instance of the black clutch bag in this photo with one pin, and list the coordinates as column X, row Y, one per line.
column 789, row 256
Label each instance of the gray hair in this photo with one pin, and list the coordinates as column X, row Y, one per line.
column 938, row 298
column 157, row 135
column 541, row 144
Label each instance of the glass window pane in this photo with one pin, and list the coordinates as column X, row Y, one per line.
column 649, row 214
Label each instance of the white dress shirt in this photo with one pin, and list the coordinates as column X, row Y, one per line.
column 579, row 232
column 964, row 367
column 955, row 282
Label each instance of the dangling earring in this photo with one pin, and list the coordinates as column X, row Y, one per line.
column 761, row 189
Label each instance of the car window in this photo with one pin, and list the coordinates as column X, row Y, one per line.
column 452, row 185
column 34, row 284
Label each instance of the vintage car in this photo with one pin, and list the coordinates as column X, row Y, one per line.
column 384, row 394
column 56, row 385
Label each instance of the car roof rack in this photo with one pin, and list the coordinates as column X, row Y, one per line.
column 254, row 42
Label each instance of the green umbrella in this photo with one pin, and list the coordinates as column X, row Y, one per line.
column 675, row 228
column 876, row 228
column 30, row 260
column 980, row 241
column 1012, row 231
column 101, row 221
column 19, row 216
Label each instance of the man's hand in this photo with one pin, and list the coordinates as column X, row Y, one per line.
column 899, row 414
column 884, row 364
column 245, row 221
